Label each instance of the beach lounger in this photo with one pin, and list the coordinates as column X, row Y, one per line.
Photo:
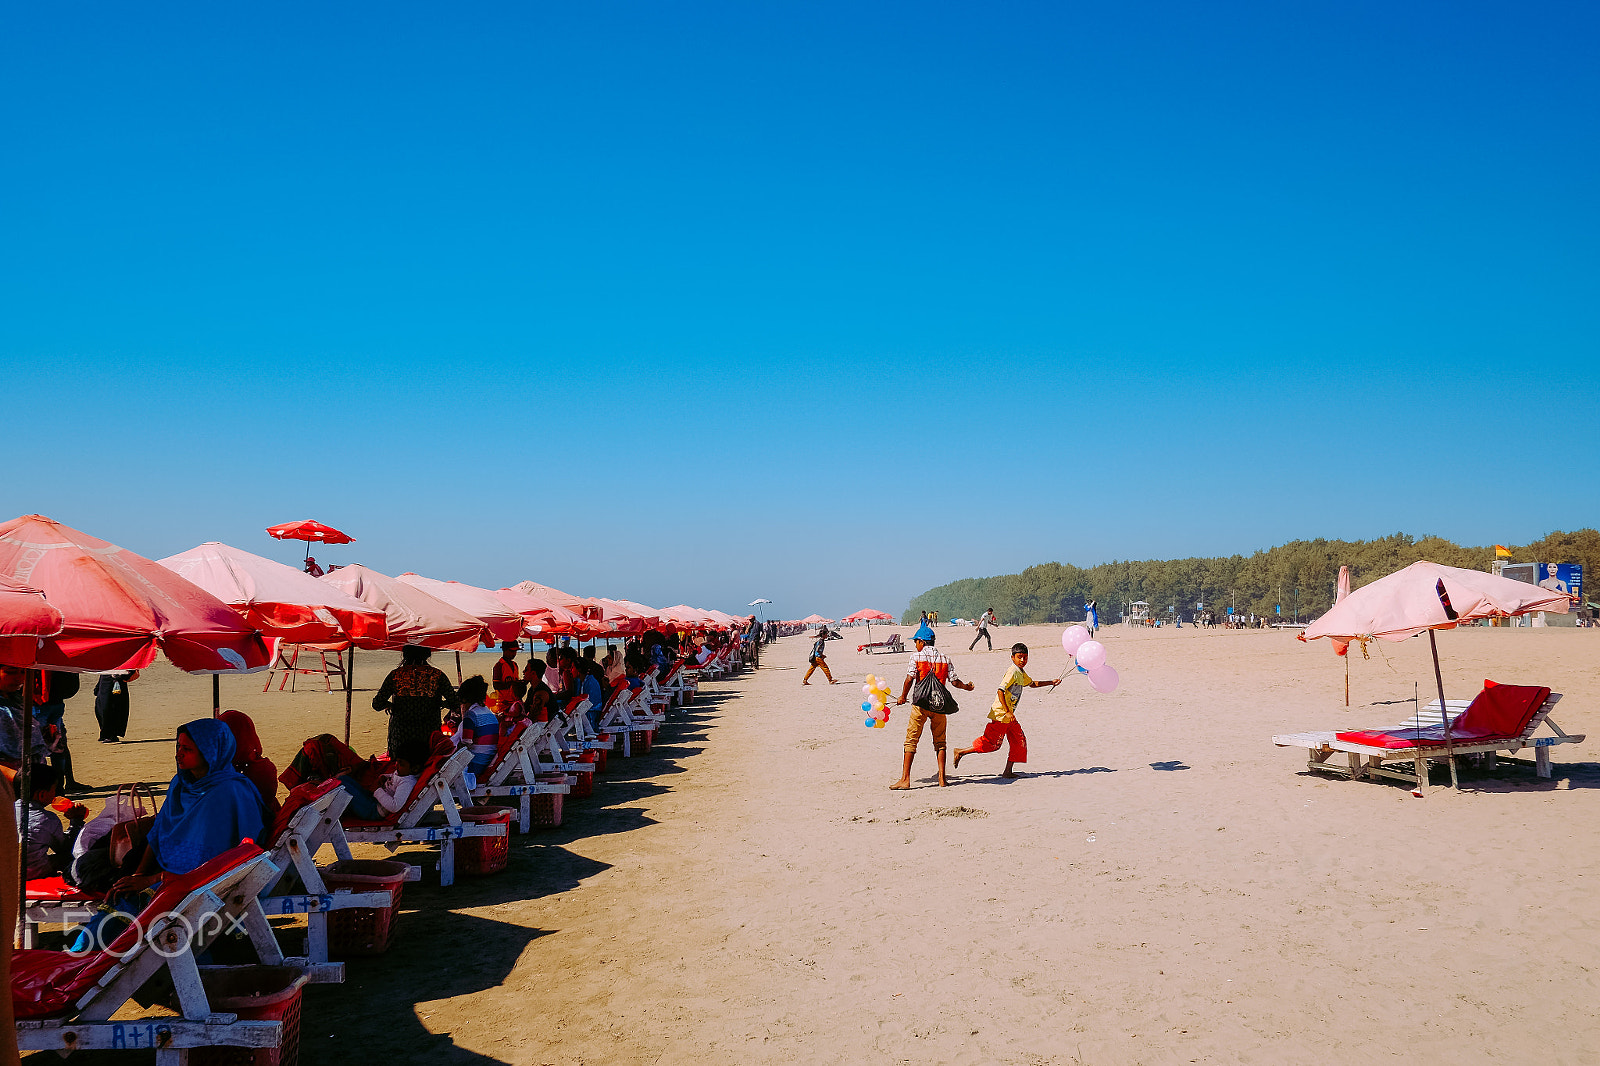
column 311, row 819
column 514, row 774
column 1500, row 718
column 308, row 820
column 881, row 647
column 441, row 784
column 64, row 1002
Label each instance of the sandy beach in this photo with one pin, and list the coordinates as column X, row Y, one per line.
column 1163, row 885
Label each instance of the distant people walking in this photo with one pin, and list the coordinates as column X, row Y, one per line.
column 1091, row 617
column 819, row 658
column 984, row 622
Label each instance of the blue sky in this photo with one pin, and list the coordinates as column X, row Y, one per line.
column 823, row 303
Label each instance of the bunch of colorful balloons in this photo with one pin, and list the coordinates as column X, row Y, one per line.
column 1090, row 656
column 876, row 705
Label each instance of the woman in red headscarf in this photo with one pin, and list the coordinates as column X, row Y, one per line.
column 249, row 761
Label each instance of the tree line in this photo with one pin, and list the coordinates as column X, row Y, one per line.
column 1295, row 578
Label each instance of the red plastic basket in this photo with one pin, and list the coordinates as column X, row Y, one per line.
column 546, row 809
column 641, row 740
column 476, row 856
column 582, row 781
column 601, row 754
column 254, row 993
column 363, row 930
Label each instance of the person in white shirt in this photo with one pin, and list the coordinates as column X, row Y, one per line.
column 984, row 622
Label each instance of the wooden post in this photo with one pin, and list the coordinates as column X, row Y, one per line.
column 24, row 783
column 1444, row 712
column 349, row 690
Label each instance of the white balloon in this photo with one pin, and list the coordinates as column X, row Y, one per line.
column 1072, row 638
column 1103, row 678
column 1090, row 654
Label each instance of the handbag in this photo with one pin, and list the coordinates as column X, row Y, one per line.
column 930, row 695
column 133, row 821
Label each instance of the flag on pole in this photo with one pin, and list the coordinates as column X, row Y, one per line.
column 1502, row 552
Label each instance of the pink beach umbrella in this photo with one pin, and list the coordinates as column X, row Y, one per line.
column 413, row 616
column 282, row 602
column 1425, row 597
column 868, row 615
column 502, row 622
column 541, row 618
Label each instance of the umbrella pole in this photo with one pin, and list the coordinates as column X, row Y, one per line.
column 458, row 668
column 1347, row 675
column 349, row 690
column 216, row 695
column 24, row 783
column 1444, row 713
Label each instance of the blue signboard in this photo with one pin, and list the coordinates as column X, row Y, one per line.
column 1278, row 609
column 1562, row 577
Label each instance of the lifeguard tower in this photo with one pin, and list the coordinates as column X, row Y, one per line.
column 1138, row 614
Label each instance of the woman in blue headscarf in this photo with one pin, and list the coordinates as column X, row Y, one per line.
column 210, row 807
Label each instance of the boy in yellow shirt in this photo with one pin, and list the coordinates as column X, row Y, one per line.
column 1003, row 715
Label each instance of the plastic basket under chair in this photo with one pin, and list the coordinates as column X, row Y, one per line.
column 255, row 993
column 476, row 856
column 601, row 755
column 582, row 782
column 642, row 739
column 358, row 931
column 546, row 809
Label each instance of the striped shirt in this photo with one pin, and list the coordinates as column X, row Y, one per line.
column 480, row 731
column 932, row 659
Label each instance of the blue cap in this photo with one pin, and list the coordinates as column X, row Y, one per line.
column 924, row 634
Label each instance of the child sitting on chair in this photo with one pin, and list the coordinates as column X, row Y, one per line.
column 394, row 790
column 49, row 846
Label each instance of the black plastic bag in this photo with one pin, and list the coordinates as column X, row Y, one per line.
column 930, row 694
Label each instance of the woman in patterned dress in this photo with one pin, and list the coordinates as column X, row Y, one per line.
column 415, row 695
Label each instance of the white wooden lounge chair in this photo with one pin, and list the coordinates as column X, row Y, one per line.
column 311, row 827
column 441, row 785
column 64, row 1002
column 514, row 775
column 1417, row 743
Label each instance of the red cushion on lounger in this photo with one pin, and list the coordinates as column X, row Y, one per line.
column 50, row 982
column 1500, row 711
column 299, row 796
column 1378, row 739
column 57, row 889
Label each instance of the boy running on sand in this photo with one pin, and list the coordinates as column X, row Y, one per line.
column 1003, row 715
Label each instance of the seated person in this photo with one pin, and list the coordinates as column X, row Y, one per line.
column 536, row 703
column 392, row 790
column 249, row 760
column 321, row 757
column 49, row 846
column 210, row 807
column 480, row 729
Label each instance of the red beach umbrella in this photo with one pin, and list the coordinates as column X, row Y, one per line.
column 25, row 616
column 502, row 622
column 309, row 531
column 119, row 608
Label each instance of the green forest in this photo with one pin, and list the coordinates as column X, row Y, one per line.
column 1300, row 575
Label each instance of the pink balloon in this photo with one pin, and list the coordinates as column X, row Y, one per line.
column 1103, row 678
column 1091, row 653
column 1072, row 637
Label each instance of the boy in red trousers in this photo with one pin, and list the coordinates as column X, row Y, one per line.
column 1003, row 715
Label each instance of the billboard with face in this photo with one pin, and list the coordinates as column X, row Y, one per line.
column 1561, row 577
